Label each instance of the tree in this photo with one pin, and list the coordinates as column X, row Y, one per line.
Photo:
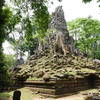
column 5, row 15
column 41, row 17
column 9, row 61
column 86, row 1
column 17, row 43
column 86, row 32
column 30, row 38
column 34, row 25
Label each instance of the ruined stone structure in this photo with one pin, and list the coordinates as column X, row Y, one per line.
column 63, row 72
column 59, row 88
column 58, row 21
column 60, row 40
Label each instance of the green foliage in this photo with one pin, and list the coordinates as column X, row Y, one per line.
column 14, row 20
column 40, row 20
column 9, row 61
column 4, row 95
column 31, row 41
column 87, row 1
column 41, row 17
column 86, row 32
column 5, row 15
column 34, row 25
column 4, row 22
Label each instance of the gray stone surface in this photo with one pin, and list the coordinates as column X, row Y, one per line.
column 58, row 21
column 59, row 31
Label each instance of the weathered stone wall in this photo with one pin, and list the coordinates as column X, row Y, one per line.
column 70, row 86
column 61, row 87
column 97, row 83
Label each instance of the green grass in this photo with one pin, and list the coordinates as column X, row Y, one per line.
column 4, row 95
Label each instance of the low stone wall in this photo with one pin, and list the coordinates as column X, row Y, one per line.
column 97, row 83
column 10, row 86
column 56, row 88
column 70, row 86
column 61, row 87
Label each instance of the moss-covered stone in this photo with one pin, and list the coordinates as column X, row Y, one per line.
column 60, row 61
column 50, row 67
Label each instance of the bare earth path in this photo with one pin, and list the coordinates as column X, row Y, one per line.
column 28, row 95
column 74, row 97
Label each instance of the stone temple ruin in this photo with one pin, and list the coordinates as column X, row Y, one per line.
column 60, row 69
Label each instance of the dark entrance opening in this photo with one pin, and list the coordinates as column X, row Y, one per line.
column 91, row 80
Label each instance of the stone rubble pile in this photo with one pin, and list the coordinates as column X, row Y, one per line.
column 54, row 65
column 57, row 67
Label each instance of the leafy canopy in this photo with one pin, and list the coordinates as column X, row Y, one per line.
column 86, row 32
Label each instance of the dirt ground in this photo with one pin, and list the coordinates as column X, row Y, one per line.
column 73, row 97
column 28, row 95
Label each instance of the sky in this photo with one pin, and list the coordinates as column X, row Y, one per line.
column 76, row 8
column 72, row 9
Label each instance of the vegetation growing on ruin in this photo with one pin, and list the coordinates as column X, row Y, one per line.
column 32, row 30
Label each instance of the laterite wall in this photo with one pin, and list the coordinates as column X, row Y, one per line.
column 62, row 87
column 70, row 86
column 55, row 88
